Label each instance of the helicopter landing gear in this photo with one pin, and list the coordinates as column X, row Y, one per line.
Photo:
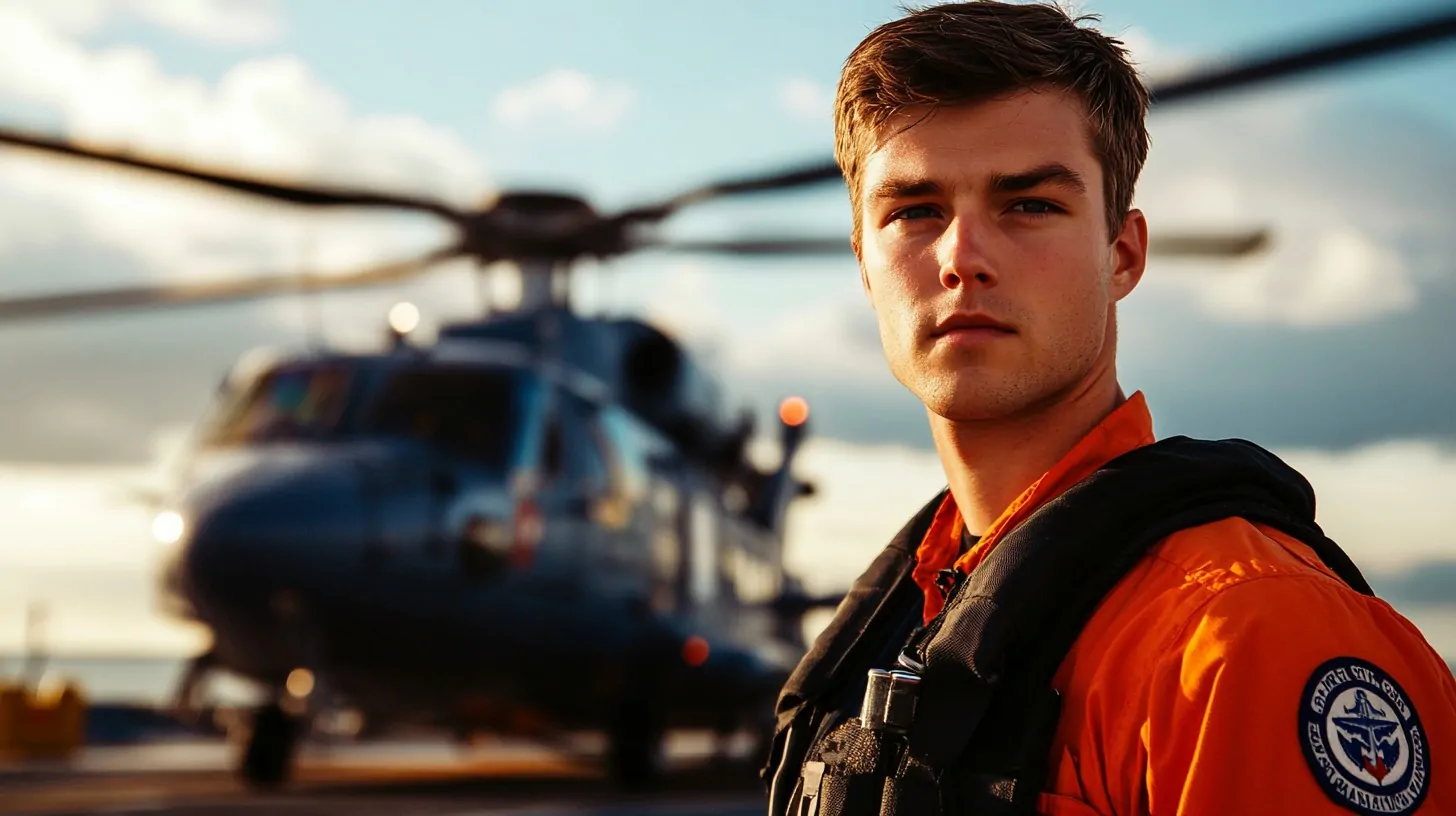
column 635, row 754
column 185, row 704
column 267, row 759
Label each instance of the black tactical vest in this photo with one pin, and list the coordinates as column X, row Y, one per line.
column 965, row 726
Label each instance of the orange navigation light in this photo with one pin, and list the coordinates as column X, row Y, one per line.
column 794, row 411
column 299, row 682
column 695, row 651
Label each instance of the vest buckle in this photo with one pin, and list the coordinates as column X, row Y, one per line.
column 813, row 777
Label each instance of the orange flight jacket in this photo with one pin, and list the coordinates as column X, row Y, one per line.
column 1231, row 673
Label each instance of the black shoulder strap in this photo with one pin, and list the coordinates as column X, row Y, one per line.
column 866, row 596
column 856, row 623
column 1007, row 627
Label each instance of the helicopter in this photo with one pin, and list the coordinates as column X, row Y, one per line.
column 538, row 523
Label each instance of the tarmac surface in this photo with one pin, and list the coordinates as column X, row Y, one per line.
column 494, row 780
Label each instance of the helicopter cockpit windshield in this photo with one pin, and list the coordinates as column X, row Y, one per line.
column 463, row 411
column 294, row 402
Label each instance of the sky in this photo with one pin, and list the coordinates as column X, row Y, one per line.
column 1333, row 349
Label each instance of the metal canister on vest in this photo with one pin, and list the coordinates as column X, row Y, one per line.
column 889, row 701
column 889, row 708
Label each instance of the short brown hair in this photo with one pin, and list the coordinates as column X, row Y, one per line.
column 963, row 53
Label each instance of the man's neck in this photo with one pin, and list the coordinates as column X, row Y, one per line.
column 989, row 463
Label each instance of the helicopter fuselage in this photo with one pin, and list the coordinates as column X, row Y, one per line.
column 486, row 546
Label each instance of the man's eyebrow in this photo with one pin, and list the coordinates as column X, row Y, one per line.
column 893, row 188
column 1054, row 173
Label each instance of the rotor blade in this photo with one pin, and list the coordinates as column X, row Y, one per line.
column 803, row 176
column 782, row 180
column 1319, row 55
column 1208, row 245
column 838, row 247
column 193, row 294
column 310, row 196
column 1190, row 245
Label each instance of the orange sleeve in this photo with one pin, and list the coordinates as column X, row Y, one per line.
column 1293, row 694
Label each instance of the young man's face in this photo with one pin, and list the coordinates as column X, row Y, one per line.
column 994, row 214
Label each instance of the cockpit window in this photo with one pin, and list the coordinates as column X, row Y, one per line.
column 288, row 403
column 471, row 412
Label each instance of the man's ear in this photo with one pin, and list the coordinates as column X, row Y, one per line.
column 1129, row 254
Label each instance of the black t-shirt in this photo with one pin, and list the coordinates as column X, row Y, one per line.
column 968, row 541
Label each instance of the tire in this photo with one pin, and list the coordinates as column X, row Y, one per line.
column 635, row 750
column 267, row 760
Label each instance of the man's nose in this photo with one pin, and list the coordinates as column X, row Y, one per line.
column 962, row 254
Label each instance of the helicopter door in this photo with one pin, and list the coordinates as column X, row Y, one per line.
column 577, row 481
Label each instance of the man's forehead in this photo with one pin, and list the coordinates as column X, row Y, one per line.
column 999, row 136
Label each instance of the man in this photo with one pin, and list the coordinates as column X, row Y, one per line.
column 991, row 152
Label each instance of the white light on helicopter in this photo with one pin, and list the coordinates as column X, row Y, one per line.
column 404, row 317
column 168, row 527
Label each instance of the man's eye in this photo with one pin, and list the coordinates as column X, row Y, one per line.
column 1034, row 206
column 916, row 211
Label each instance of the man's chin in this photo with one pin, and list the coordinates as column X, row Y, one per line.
column 976, row 403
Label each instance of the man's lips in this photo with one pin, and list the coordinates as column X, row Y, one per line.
column 971, row 324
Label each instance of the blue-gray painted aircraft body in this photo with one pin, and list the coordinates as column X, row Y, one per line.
column 493, row 532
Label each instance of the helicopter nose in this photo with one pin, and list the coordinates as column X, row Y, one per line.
column 266, row 535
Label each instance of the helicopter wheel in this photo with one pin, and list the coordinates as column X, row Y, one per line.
column 267, row 759
column 635, row 750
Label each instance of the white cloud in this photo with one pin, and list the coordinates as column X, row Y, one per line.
column 1349, row 277
column 66, row 16
column 1283, row 158
column 247, row 22
column 565, row 98
column 1346, row 191
column 1155, row 61
column 270, row 116
column 865, row 494
column 233, row 22
column 806, row 99
column 684, row 305
column 78, row 541
column 835, row 339
column 1388, row 505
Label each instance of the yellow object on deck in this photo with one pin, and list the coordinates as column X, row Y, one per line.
column 41, row 725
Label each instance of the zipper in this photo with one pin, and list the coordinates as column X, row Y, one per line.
column 950, row 582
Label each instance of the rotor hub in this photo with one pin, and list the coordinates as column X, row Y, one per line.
column 535, row 225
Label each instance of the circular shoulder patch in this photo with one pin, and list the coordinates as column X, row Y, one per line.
column 1363, row 738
